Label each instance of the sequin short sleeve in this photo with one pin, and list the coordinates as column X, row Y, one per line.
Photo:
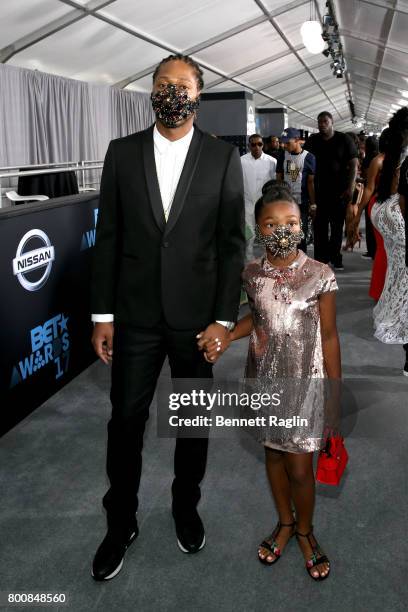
column 327, row 281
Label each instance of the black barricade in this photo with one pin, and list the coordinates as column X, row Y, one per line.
column 45, row 329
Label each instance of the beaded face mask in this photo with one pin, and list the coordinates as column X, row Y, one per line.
column 282, row 242
column 171, row 104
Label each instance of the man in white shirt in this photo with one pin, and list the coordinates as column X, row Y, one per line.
column 167, row 263
column 258, row 168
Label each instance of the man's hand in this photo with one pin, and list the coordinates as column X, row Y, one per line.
column 102, row 341
column 213, row 333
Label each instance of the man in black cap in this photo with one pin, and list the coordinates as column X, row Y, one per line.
column 297, row 168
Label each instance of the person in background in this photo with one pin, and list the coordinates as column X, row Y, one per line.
column 371, row 151
column 274, row 148
column 336, row 170
column 362, row 141
column 352, row 208
column 367, row 202
column 391, row 311
column 297, row 168
column 257, row 168
column 267, row 145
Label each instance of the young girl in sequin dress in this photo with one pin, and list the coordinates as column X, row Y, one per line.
column 293, row 334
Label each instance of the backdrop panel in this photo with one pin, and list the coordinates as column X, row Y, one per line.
column 45, row 252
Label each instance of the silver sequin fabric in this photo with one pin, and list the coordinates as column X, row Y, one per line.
column 285, row 349
column 391, row 310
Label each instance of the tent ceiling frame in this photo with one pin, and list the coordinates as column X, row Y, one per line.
column 305, row 87
column 386, row 31
column 382, row 88
column 212, row 41
column 52, row 28
column 251, row 67
column 294, row 91
column 93, row 8
column 274, row 24
column 288, row 78
column 372, row 41
column 353, row 58
column 397, row 9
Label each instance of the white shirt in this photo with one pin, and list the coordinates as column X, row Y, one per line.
column 169, row 156
column 256, row 173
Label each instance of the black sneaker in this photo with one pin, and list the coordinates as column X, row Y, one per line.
column 190, row 531
column 108, row 559
column 405, row 370
column 366, row 256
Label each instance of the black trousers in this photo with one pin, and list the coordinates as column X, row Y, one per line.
column 138, row 356
column 328, row 231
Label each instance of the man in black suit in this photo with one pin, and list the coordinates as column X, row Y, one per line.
column 167, row 262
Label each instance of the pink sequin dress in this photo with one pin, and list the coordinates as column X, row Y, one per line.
column 285, row 347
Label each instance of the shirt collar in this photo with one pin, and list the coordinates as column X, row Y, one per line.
column 263, row 156
column 163, row 143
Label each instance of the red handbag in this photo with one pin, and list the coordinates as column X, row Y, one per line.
column 332, row 461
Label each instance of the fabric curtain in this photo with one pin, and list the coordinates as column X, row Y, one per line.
column 50, row 119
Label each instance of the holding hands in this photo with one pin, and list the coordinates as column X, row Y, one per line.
column 214, row 341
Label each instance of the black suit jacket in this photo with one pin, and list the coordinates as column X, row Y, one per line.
column 186, row 270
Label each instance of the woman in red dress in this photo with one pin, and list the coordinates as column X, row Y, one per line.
column 369, row 197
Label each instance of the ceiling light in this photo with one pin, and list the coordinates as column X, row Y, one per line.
column 311, row 32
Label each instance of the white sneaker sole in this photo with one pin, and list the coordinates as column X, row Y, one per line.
column 117, row 570
column 184, row 550
column 405, row 373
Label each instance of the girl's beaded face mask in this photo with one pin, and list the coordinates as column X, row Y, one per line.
column 172, row 104
column 282, row 241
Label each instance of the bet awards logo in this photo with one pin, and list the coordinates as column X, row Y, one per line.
column 32, row 266
column 49, row 343
column 88, row 238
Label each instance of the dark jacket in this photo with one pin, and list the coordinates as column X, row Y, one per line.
column 186, row 270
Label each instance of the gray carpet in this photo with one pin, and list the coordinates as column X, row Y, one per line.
column 52, row 480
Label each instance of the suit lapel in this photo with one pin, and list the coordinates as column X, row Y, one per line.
column 151, row 178
column 186, row 177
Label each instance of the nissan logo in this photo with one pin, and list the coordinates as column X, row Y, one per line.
column 26, row 261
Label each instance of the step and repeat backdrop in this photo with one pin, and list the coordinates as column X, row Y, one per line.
column 45, row 330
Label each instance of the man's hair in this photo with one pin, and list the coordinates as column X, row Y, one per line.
column 274, row 194
column 255, row 136
column 325, row 114
column 187, row 60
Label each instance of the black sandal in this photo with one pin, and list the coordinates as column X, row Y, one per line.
column 317, row 557
column 272, row 546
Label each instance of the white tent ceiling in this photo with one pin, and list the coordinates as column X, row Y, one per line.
column 251, row 44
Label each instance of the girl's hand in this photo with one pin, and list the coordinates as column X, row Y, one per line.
column 213, row 349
